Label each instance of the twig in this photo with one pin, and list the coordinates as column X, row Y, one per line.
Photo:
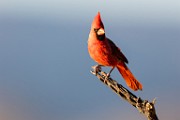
column 143, row 106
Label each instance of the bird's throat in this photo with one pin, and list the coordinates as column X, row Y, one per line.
column 100, row 37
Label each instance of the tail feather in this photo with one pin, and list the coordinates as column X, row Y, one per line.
column 131, row 81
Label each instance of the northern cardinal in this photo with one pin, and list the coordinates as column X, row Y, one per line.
column 103, row 51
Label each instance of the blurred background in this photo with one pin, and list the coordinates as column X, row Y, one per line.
column 45, row 65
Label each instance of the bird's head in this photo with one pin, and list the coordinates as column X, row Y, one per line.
column 98, row 27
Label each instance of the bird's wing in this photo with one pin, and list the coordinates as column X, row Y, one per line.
column 117, row 52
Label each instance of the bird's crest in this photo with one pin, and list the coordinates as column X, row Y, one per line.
column 97, row 23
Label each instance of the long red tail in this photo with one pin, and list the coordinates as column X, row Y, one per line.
column 131, row 81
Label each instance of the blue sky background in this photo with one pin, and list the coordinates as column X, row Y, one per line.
column 44, row 73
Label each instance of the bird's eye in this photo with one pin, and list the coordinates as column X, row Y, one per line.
column 96, row 29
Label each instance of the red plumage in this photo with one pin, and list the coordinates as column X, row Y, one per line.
column 103, row 51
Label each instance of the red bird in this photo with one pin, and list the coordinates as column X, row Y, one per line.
column 106, row 53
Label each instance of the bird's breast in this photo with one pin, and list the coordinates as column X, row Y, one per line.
column 101, row 52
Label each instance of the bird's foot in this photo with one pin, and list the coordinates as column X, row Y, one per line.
column 107, row 76
column 96, row 68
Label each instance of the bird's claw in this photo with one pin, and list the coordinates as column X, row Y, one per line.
column 107, row 76
column 96, row 68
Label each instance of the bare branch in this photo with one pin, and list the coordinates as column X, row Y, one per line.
column 143, row 106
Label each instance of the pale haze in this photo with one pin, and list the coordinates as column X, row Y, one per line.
column 45, row 65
